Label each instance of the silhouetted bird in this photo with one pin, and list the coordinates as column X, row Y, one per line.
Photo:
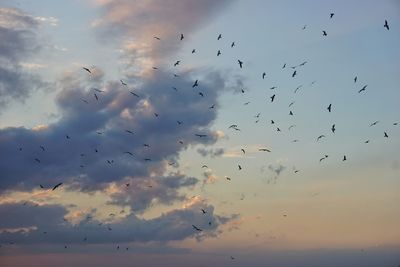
column 386, row 25
column 324, row 33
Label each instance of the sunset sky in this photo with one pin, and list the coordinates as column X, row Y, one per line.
column 145, row 157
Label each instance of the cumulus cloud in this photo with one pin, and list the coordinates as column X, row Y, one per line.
column 19, row 41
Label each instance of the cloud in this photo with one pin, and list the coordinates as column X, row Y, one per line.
column 136, row 23
column 91, row 125
column 19, row 41
column 27, row 224
column 211, row 152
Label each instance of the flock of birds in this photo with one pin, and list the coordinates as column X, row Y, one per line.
column 234, row 127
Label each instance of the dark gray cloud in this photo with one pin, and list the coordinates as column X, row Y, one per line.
column 19, row 41
column 47, row 225
column 211, row 152
column 101, row 125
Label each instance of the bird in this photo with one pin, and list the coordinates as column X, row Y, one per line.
column 218, row 53
column 324, row 33
column 304, row 27
column 158, row 38
column 333, row 129
column 355, row 79
column 244, row 152
column 123, row 83
column 88, row 70
column 193, row 51
column 363, row 88
column 374, row 123
column 37, row 160
column 228, row 178
column 127, row 152
column 232, row 44
column 232, row 258
column 42, row 147
column 95, row 96
column 386, row 25
column 196, row 83
column 329, row 108
column 201, row 94
column 331, row 15
column 156, row 114
column 182, row 37
column 294, row 74
column 291, row 126
column 204, row 166
column 41, row 186
column 67, row 136
column 56, row 186
column 134, row 94
column 272, row 122
column 291, row 104
column 239, row 167
column 272, row 98
column 240, row 63
column 263, row 75
column 204, row 212
column 325, row 157
column 319, row 137
column 344, row 158
column 264, row 149
column 273, row 87
column 177, row 63
column 196, row 228
column 297, row 88
column 290, row 113
column 385, row 135
column 200, row 135
column 219, row 36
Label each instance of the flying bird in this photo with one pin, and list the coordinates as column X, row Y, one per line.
column 324, row 33
column 200, row 135
column 291, row 113
column 219, row 36
column 134, row 94
column 95, row 96
column 329, row 108
column 239, row 167
column 88, row 70
column 263, row 75
column 386, row 25
column 182, row 36
column 123, row 83
column 204, row 212
column 385, row 135
column 333, row 129
column 196, row 228
column 240, row 63
column 374, row 123
column 42, row 147
column 56, row 186
column 158, row 38
column 193, row 51
column 331, row 15
column 264, row 149
column 355, row 79
column 177, row 63
column 272, row 98
column 363, row 88
column 196, row 83
column 294, row 74
column 233, row 44
column 218, row 53
column 344, row 158
column 319, row 137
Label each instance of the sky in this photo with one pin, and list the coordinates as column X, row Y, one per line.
column 166, row 151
